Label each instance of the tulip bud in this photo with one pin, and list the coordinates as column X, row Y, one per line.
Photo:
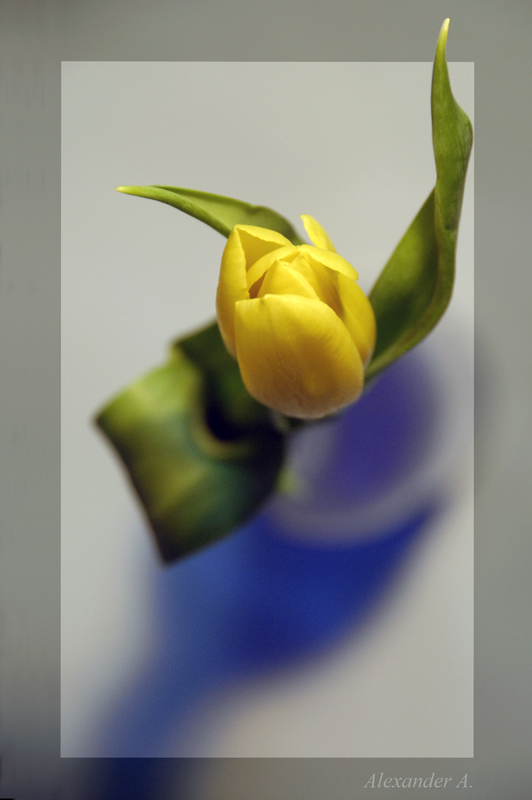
column 296, row 320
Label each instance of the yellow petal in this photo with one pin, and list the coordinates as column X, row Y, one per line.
column 296, row 356
column 281, row 279
column 319, row 277
column 328, row 259
column 357, row 314
column 317, row 234
column 256, row 242
column 258, row 269
column 347, row 300
column 245, row 245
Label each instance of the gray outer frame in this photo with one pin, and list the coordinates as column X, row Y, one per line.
column 35, row 37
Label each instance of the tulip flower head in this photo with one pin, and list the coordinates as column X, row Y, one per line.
column 296, row 320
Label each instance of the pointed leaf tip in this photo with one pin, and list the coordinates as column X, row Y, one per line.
column 442, row 38
column 219, row 212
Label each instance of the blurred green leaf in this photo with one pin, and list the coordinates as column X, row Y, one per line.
column 221, row 213
column 201, row 454
column 415, row 286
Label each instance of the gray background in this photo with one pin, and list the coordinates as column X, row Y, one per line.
column 352, row 143
column 35, row 37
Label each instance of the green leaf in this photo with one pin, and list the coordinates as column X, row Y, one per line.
column 201, row 454
column 221, row 213
column 415, row 286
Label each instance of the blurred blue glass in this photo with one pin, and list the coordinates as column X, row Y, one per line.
column 262, row 599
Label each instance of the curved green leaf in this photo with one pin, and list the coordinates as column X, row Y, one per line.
column 201, row 454
column 221, row 213
column 416, row 284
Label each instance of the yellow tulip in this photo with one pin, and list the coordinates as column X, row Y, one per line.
column 296, row 320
